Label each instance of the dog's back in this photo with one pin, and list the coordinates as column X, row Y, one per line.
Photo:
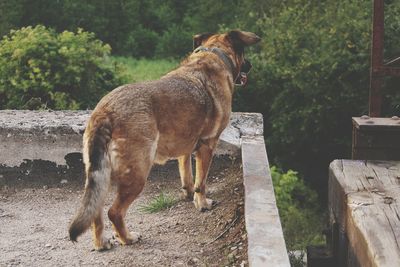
column 138, row 124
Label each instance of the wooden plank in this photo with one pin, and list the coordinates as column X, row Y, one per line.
column 376, row 153
column 377, row 139
column 364, row 199
column 371, row 229
column 366, row 122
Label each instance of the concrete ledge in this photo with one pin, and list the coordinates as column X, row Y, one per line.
column 51, row 135
column 266, row 244
column 41, row 135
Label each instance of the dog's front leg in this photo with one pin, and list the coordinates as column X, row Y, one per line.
column 186, row 173
column 204, row 155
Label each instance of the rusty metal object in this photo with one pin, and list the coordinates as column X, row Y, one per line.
column 378, row 69
column 375, row 95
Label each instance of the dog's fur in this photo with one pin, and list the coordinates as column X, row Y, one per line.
column 137, row 125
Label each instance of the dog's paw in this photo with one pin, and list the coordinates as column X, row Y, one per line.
column 187, row 195
column 133, row 238
column 202, row 203
column 105, row 245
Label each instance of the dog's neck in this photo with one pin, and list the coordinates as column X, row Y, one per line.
column 222, row 55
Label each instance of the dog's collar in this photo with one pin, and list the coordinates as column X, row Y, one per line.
column 221, row 54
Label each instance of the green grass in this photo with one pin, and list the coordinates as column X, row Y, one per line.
column 139, row 70
column 161, row 202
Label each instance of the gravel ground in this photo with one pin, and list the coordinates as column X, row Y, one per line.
column 34, row 218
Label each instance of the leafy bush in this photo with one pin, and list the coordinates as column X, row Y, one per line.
column 299, row 210
column 141, row 43
column 175, row 42
column 131, row 27
column 42, row 69
column 311, row 75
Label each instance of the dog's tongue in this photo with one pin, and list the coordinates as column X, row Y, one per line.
column 243, row 78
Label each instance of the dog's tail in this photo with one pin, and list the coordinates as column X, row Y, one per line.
column 98, row 171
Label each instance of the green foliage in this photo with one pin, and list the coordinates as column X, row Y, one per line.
column 139, row 70
column 42, row 69
column 311, row 75
column 299, row 210
column 138, row 28
column 161, row 202
column 176, row 41
column 141, row 43
column 297, row 260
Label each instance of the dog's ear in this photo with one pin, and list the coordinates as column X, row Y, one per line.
column 241, row 38
column 198, row 39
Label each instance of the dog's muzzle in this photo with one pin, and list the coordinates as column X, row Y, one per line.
column 245, row 68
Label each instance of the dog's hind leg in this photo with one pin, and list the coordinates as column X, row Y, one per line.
column 204, row 155
column 186, row 173
column 131, row 166
column 100, row 242
column 125, row 196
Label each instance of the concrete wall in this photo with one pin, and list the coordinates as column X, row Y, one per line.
column 52, row 135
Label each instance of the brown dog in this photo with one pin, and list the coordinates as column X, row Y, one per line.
column 137, row 125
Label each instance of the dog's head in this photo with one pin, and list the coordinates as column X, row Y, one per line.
column 230, row 45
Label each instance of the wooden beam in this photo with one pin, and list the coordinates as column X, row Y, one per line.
column 364, row 200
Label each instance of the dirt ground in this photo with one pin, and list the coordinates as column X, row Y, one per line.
column 34, row 218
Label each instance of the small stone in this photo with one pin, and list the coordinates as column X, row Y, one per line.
column 45, row 187
column 195, row 260
column 364, row 117
column 64, row 181
column 233, row 248
column 47, row 245
column 231, row 258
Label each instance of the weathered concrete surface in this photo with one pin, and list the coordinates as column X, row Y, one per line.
column 266, row 244
column 51, row 135
column 241, row 124
column 40, row 135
